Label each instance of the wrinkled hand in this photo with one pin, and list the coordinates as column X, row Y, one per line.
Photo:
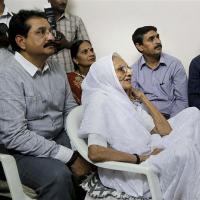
column 143, row 158
column 156, row 151
column 136, row 94
column 81, row 167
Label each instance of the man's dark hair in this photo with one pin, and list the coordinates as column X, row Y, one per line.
column 74, row 50
column 139, row 33
column 18, row 25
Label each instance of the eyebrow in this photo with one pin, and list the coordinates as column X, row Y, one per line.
column 153, row 36
column 42, row 28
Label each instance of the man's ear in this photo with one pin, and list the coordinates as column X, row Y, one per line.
column 139, row 47
column 21, row 41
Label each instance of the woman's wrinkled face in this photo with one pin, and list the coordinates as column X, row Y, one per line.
column 123, row 72
column 85, row 56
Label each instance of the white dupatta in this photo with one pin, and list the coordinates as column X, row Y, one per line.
column 109, row 112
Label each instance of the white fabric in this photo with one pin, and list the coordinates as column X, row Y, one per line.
column 28, row 66
column 96, row 139
column 109, row 112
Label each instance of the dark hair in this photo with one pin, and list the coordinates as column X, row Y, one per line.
column 18, row 25
column 74, row 50
column 139, row 33
column 4, row 43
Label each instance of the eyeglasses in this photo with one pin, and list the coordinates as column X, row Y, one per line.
column 43, row 32
column 122, row 71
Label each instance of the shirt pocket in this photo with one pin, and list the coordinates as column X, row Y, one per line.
column 34, row 107
column 166, row 88
column 71, row 35
column 59, row 100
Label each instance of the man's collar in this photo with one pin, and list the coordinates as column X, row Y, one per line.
column 28, row 66
column 64, row 15
column 161, row 61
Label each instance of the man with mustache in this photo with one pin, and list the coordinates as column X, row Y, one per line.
column 159, row 76
column 71, row 28
column 35, row 99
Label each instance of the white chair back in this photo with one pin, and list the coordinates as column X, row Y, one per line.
column 73, row 123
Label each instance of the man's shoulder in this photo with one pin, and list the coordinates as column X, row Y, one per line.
column 10, row 70
column 137, row 63
column 196, row 59
column 56, row 68
column 5, row 54
column 169, row 57
column 195, row 64
column 72, row 17
column 172, row 62
column 8, row 62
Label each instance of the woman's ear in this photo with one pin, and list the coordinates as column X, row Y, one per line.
column 21, row 41
column 75, row 61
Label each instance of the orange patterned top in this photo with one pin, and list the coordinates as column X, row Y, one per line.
column 75, row 80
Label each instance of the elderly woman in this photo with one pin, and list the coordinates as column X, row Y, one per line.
column 83, row 56
column 118, row 129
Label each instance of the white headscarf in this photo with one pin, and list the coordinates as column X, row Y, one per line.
column 109, row 112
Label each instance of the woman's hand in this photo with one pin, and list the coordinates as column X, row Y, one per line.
column 143, row 157
column 156, row 151
column 136, row 94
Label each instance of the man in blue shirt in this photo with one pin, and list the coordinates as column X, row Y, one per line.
column 159, row 76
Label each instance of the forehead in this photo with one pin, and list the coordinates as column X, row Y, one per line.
column 118, row 61
column 37, row 22
column 85, row 45
column 150, row 34
column 57, row 1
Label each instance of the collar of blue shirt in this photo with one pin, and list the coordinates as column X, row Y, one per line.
column 162, row 62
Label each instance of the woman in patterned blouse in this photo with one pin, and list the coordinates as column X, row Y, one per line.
column 83, row 57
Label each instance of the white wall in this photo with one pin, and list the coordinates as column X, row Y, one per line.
column 110, row 24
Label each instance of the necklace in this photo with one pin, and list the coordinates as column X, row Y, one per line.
column 81, row 75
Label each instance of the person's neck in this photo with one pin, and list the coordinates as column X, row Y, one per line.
column 57, row 14
column 83, row 70
column 152, row 61
column 2, row 6
column 38, row 61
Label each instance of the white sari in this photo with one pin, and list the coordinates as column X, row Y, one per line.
column 109, row 112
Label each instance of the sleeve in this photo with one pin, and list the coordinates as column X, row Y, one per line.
column 194, row 83
column 180, row 85
column 81, row 33
column 96, row 139
column 15, row 133
column 134, row 80
column 147, row 120
column 70, row 102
